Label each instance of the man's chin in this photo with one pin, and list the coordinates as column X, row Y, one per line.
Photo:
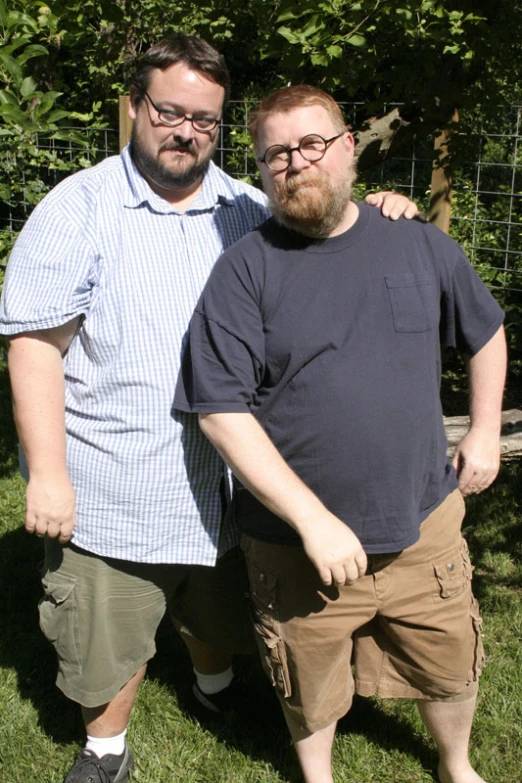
column 310, row 227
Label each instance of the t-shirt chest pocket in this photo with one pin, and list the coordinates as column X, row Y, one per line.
column 413, row 302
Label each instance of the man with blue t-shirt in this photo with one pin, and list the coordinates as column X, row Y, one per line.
column 314, row 364
column 128, row 493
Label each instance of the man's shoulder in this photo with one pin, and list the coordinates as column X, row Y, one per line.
column 234, row 187
column 88, row 184
column 417, row 233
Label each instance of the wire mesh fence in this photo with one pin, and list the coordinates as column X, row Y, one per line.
column 487, row 190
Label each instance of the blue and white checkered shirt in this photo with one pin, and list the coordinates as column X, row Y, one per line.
column 104, row 246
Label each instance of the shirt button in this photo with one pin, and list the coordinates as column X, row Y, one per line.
column 261, row 577
column 451, row 566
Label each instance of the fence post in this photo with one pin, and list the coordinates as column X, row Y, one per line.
column 442, row 181
column 125, row 121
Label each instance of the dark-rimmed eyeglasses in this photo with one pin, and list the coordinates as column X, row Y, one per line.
column 172, row 118
column 311, row 147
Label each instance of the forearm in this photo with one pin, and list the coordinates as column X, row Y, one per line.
column 37, row 381
column 487, row 374
column 332, row 547
column 477, row 458
column 255, row 461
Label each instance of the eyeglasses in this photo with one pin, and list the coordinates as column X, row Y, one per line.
column 172, row 118
column 311, row 147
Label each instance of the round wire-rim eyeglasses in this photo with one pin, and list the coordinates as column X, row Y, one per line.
column 173, row 118
column 312, row 148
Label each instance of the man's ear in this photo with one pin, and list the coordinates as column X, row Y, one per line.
column 132, row 103
column 349, row 142
column 348, row 136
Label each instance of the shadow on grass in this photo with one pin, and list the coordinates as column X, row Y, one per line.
column 493, row 531
column 8, row 438
column 24, row 649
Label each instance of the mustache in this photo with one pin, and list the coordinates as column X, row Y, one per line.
column 182, row 146
column 291, row 186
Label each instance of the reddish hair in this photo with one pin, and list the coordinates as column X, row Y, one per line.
column 289, row 98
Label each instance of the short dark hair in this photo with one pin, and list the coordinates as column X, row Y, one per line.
column 195, row 53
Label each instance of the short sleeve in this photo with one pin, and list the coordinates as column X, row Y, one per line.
column 470, row 313
column 50, row 274
column 223, row 361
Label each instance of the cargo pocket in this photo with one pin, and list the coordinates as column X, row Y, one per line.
column 413, row 302
column 59, row 616
column 479, row 659
column 454, row 573
column 263, row 592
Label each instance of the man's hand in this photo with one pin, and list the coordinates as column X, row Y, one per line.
column 477, row 460
column 335, row 550
column 332, row 547
column 51, row 508
column 393, row 205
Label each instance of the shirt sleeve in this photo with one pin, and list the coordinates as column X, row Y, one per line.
column 470, row 313
column 224, row 358
column 50, row 274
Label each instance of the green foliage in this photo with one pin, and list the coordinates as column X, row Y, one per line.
column 30, row 110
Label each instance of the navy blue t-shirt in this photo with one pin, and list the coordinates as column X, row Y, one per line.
column 334, row 346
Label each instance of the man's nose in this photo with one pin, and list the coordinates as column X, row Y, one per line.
column 297, row 162
column 184, row 131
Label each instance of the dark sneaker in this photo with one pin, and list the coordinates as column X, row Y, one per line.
column 236, row 698
column 88, row 768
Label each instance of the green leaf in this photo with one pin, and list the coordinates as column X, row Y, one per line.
column 334, row 51
column 13, row 68
column 16, row 19
column 290, row 36
column 319, row 59
column 6, row 96
column 28, row 86
column 78, row 138
column 23, row 40
column 356, row 40
column 57, row 115
column 34, row 50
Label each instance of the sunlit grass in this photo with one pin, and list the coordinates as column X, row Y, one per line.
column 379, row 742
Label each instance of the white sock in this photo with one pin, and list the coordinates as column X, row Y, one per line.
column 104, row 745
column 213, row 683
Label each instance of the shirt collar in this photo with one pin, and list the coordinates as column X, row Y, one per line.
column 214, row 189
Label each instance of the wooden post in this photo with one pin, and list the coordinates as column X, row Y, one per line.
column 441, row 182
column 125, row 121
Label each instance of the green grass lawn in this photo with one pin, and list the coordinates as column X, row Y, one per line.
column 379, row 742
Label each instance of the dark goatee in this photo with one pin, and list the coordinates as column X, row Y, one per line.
column 152, row 168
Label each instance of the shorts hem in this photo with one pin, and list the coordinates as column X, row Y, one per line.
column 404, row 691
column 92, row 699
column 300, row 729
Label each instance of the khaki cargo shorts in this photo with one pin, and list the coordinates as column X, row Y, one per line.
column 102, row 614
column 410, row 627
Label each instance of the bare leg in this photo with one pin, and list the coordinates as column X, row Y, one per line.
column 111, row 719
column 204, row 659
column 449, row 723
column 315, row 755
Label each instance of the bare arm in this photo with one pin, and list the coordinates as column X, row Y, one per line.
column 335, row 551
column 477, row 459
column 36, row 371
column 393, row 205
